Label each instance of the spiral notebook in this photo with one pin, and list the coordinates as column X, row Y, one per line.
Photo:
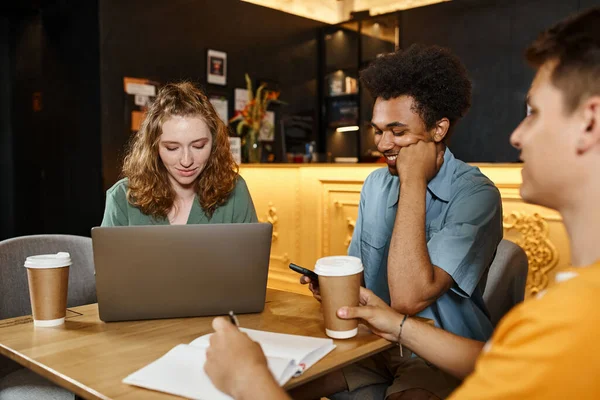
column 181, row 370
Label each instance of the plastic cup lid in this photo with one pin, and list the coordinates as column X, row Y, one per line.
column 338, row 266
column 57, row 260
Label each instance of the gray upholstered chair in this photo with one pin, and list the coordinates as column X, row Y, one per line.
column 506, row 279
column 15, row 381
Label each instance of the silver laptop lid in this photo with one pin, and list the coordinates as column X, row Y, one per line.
column 146, row 272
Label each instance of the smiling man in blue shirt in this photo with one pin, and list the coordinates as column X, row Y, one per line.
column 428, row 225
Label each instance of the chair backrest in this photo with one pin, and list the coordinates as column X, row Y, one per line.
column 506, row 279
column 14, row 289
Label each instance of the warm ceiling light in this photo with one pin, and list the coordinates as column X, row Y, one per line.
column 335, row 11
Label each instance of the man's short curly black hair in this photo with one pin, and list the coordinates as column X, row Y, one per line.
column 435, row 78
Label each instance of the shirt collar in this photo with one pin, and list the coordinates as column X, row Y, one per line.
column 440, row 186
column 197, row 214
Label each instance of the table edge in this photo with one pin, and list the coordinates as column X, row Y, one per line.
column 52, row 375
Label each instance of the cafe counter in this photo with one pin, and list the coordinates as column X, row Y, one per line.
column 313, row 209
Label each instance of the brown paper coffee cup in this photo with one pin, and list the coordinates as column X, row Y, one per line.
column 48, row 277
column 339, row 283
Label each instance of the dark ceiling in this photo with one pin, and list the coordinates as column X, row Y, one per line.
column 27, row 7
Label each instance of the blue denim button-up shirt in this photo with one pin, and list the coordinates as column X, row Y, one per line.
column 463, row 226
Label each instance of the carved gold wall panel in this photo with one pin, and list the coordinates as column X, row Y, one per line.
column 534, row 239
column 276, row 196
column 341, row 199
column 541, row 233
column 272, row 218
column 350, row 222
column 313, row 209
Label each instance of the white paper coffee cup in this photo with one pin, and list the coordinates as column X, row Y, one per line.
column 48, row 277
column 339, row 282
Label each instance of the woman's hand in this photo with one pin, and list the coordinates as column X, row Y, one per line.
column 376, row 314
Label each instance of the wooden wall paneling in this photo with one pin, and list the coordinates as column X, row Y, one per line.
column 340, row 210
column 275, row 193
column 314, row 209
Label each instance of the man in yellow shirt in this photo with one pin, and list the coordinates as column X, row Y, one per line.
column 549, row 346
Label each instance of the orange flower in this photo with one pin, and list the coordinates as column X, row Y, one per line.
column 254, row 112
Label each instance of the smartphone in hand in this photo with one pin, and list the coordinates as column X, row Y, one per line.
column 313, row 276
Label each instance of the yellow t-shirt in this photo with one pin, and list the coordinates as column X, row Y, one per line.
column 546, row 348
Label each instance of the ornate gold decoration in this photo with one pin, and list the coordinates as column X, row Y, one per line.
column 541, row 253
column 285, row 258
column 273, row 219
column 297, row 221
column 350, row 223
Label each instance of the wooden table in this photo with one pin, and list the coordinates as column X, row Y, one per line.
column 91, row 358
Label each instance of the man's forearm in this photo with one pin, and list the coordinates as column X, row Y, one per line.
column 451, row 353
column 409, row 269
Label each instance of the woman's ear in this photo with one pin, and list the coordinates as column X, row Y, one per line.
column 441, row 130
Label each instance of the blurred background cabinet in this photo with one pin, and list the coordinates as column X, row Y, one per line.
column 346, row 107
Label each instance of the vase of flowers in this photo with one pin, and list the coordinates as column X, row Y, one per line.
column 251, row 118
column 251, row 151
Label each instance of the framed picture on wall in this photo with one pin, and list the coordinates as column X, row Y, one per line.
column 216, row 68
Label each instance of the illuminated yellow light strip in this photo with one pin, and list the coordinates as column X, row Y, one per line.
column 347, row 128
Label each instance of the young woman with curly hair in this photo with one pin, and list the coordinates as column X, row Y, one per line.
column 179, row 169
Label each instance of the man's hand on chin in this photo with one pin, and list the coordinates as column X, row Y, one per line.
column 420, row 161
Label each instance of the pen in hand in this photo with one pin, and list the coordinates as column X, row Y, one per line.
column 233, row 319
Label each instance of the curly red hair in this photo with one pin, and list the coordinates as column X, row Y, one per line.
column 149, row 186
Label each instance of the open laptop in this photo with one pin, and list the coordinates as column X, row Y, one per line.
column 148, row 272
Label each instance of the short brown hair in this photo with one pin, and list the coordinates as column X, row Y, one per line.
column 149, row 186
column 574, row 45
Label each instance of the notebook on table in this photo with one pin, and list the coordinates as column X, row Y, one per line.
column 181, row 370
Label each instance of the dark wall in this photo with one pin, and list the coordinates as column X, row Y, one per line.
column 55, row 167
column 490, row 38
column 72, row 81
column 6, row 142
column 341, row 49
column 584, row 4
column 167, row 41
column 28, row 161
